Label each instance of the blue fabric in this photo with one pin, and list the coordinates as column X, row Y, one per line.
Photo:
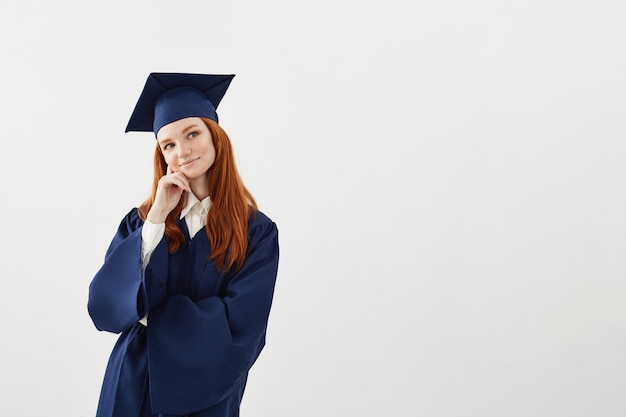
column 205, row 328
column 180, row 103
column 170, row 96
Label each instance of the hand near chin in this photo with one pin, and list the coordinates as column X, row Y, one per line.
column 169, row 191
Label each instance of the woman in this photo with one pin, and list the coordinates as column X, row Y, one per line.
column 189, row 276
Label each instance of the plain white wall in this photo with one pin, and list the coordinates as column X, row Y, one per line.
column 448, row 179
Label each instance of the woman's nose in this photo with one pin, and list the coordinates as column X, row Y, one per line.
column 184, row 149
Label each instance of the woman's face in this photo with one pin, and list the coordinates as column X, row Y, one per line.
column 187, row 146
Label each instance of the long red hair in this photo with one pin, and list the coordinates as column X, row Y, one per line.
column 231, row 205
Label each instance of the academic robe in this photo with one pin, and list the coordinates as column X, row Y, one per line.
column 205, row 328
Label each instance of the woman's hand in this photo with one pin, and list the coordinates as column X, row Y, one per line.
column 169, row 191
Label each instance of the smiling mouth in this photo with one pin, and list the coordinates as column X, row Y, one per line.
column 189, row 161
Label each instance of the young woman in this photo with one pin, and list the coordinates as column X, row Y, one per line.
column 189, row 276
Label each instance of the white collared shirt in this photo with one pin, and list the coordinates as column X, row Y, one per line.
column 194, row 214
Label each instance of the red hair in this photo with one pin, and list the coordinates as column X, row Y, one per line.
column 231, row 205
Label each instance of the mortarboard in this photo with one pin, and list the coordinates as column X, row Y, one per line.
column 167, row 97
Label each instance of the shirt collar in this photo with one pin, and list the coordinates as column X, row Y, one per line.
column 192, row 200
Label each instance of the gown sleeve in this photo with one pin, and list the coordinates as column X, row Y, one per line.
column 200, row 351
column 120, row 294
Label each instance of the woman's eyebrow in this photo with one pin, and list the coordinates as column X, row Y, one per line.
column 183, row 131
column 189, row 128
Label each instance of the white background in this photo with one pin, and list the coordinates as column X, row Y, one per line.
column 448, row 178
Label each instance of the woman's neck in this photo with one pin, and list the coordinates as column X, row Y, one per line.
column 200, row 187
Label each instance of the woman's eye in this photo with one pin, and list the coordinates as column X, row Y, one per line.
column 192, row 135
column 168, row 146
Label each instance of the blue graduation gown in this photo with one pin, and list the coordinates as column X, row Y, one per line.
column 205, row 328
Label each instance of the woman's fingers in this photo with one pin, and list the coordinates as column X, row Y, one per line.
column 181, row 181
column 169, row 192
column 175, row 178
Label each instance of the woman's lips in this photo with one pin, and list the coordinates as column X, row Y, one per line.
column 188, row 162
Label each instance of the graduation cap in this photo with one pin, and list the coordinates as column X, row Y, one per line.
column 168, row 97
